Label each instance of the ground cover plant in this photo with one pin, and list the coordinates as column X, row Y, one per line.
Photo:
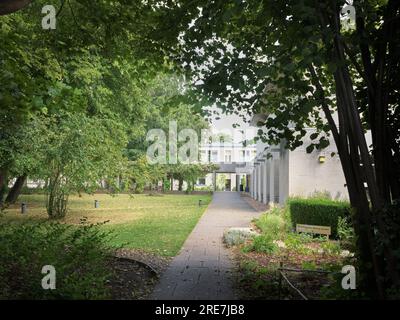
column 277, row 245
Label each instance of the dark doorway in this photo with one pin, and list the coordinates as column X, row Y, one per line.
column 227, row 184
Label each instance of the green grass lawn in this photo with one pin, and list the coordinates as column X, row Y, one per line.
column 158, row 224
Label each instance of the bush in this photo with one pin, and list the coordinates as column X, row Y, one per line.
column 297, row 242
column 272, row 223
column 79, row 255
column 318, row 211
column 203, row 188
column 346, row 233
column 263, row 243
column 236, row 236
column 330, row 247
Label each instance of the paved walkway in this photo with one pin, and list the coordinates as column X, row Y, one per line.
column 203, row 268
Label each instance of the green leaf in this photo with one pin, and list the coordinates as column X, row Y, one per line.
column 323, row 143
column 314, row 135
column 310, row 148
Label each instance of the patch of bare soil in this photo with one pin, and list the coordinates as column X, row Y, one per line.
column 135, row 273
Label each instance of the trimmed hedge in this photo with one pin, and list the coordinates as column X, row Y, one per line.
column 315, row 211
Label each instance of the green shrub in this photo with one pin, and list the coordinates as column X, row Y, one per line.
column 309, row 265
column 272, row 224
column 330, row 247
column 79, row 255
column 318, row 211
column 263, row 243
column 166, row 185
column 346, row 232
column 203, row 188
column 297, row 242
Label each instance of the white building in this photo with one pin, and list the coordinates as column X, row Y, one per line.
column 226, row 152
column 234, row 160
column 296, row 173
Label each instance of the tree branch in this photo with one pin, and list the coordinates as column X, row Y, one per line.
column 325, row 107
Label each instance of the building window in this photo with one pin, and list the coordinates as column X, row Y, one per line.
column 202, row 182
column 228, row 156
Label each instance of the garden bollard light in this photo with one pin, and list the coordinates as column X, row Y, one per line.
column 23, row 207
column 199, row 203
column 96, row 204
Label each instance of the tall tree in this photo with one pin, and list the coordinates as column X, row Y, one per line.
column 92, row 63
column 293, row 61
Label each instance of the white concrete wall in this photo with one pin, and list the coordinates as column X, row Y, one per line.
column 297, row 173
column 307, row 174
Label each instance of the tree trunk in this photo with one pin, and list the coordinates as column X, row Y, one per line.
column 368, row 215
column 16, row 189
column 358, row 169
column 348, row 153
column 180, row 185
column 380, row 76
column 57, row 199
column 3, row 184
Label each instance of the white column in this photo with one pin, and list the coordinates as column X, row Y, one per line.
column 265, row 186
column 259, row 182
column 260, row 195
column 251, row 184
column 256, row 184
column 271, row 182
column 253, row 174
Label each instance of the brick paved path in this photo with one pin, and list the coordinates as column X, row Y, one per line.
column 203, row 267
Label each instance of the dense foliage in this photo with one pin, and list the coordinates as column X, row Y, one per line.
column 79, row 256
column 76, row 102
column 295, row 63
column 319, row 212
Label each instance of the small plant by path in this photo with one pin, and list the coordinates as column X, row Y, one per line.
column 259, row 259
